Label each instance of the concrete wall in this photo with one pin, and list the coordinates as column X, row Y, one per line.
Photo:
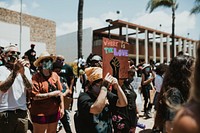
column 34, row 29
column 66, row 45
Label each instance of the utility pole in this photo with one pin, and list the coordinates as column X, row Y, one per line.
column 20, row 34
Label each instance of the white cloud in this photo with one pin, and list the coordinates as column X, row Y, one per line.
column 3, row 4
column 35, row 5
column 66, row 28
column 15, row 6
column 183, row 22
column 94, row 23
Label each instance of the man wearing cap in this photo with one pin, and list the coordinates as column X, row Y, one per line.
column 66, row 77
column 15, row 80
column 95, row 105
column 31, row 53
column 96, row 61
column 66, row 73
column 147, row 84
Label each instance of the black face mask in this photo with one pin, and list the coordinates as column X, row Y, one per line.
column 59, row 63
column 128, row 81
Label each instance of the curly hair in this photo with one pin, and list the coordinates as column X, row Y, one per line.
column 178, row 75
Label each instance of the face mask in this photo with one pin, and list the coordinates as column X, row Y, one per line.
column 59, row 62
column 96, row 89
column 47, row 65
column 147, row 69
column 128, row 81
column 1, row 62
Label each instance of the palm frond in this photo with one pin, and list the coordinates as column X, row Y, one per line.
column 153, row 4
column 197, row 1
column 195, row 9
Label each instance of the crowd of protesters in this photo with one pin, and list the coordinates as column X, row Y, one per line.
column 33, row 92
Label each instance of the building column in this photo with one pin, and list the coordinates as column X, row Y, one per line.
column 154, row 46
column 146, row 46
column 127, row 33
column 161, row 48
column 168, row 49
column 175, row 52
column 190, row 48
column 194, row 49
column 137, row 47
column 184, row 47
column 180, row 45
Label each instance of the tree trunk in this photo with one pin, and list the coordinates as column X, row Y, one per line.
column 80, row 30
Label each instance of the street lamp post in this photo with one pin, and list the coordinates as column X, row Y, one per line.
column 20, row 34
column 109, row 21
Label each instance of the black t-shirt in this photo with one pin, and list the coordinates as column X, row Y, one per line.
column 130, row 110
column 66, row 74
column 31, row 53
column 90, row 123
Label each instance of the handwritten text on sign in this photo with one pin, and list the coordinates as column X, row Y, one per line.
column 120, row 52
column 115, row 47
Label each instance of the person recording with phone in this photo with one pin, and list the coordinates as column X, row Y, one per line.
column 15, row 80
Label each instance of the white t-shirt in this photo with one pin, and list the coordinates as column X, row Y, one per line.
column 15, row 97
column 158, row 82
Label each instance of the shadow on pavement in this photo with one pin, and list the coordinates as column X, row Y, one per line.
column 145, row 131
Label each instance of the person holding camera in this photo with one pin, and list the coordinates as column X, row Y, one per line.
column 47, row 105
column 15, row 81
column 96, row 104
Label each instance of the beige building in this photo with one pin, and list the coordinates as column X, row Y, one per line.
column 26, row 29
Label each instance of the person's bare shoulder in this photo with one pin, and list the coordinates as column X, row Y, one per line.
column 185, row 123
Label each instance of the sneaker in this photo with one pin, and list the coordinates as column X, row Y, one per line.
column 147, row 116
column 59, row 127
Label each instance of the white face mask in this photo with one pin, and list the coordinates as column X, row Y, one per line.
column 47, row 65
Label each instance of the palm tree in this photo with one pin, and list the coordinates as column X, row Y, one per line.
column 196, row 8
column 153, row 4
column 80, row 29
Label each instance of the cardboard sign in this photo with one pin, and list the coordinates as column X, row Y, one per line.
column 115, row 58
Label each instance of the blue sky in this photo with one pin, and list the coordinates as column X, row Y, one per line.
column 64, row 13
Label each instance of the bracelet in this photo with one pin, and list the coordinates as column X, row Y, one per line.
column 105, row 83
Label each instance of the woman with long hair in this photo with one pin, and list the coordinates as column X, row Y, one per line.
column 174, row 92
column 188, row 118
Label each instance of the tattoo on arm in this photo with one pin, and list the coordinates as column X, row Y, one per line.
column 41, row 96
column 27, row 83
column 5, row 85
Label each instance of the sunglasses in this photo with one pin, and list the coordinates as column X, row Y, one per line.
column 14, row 52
